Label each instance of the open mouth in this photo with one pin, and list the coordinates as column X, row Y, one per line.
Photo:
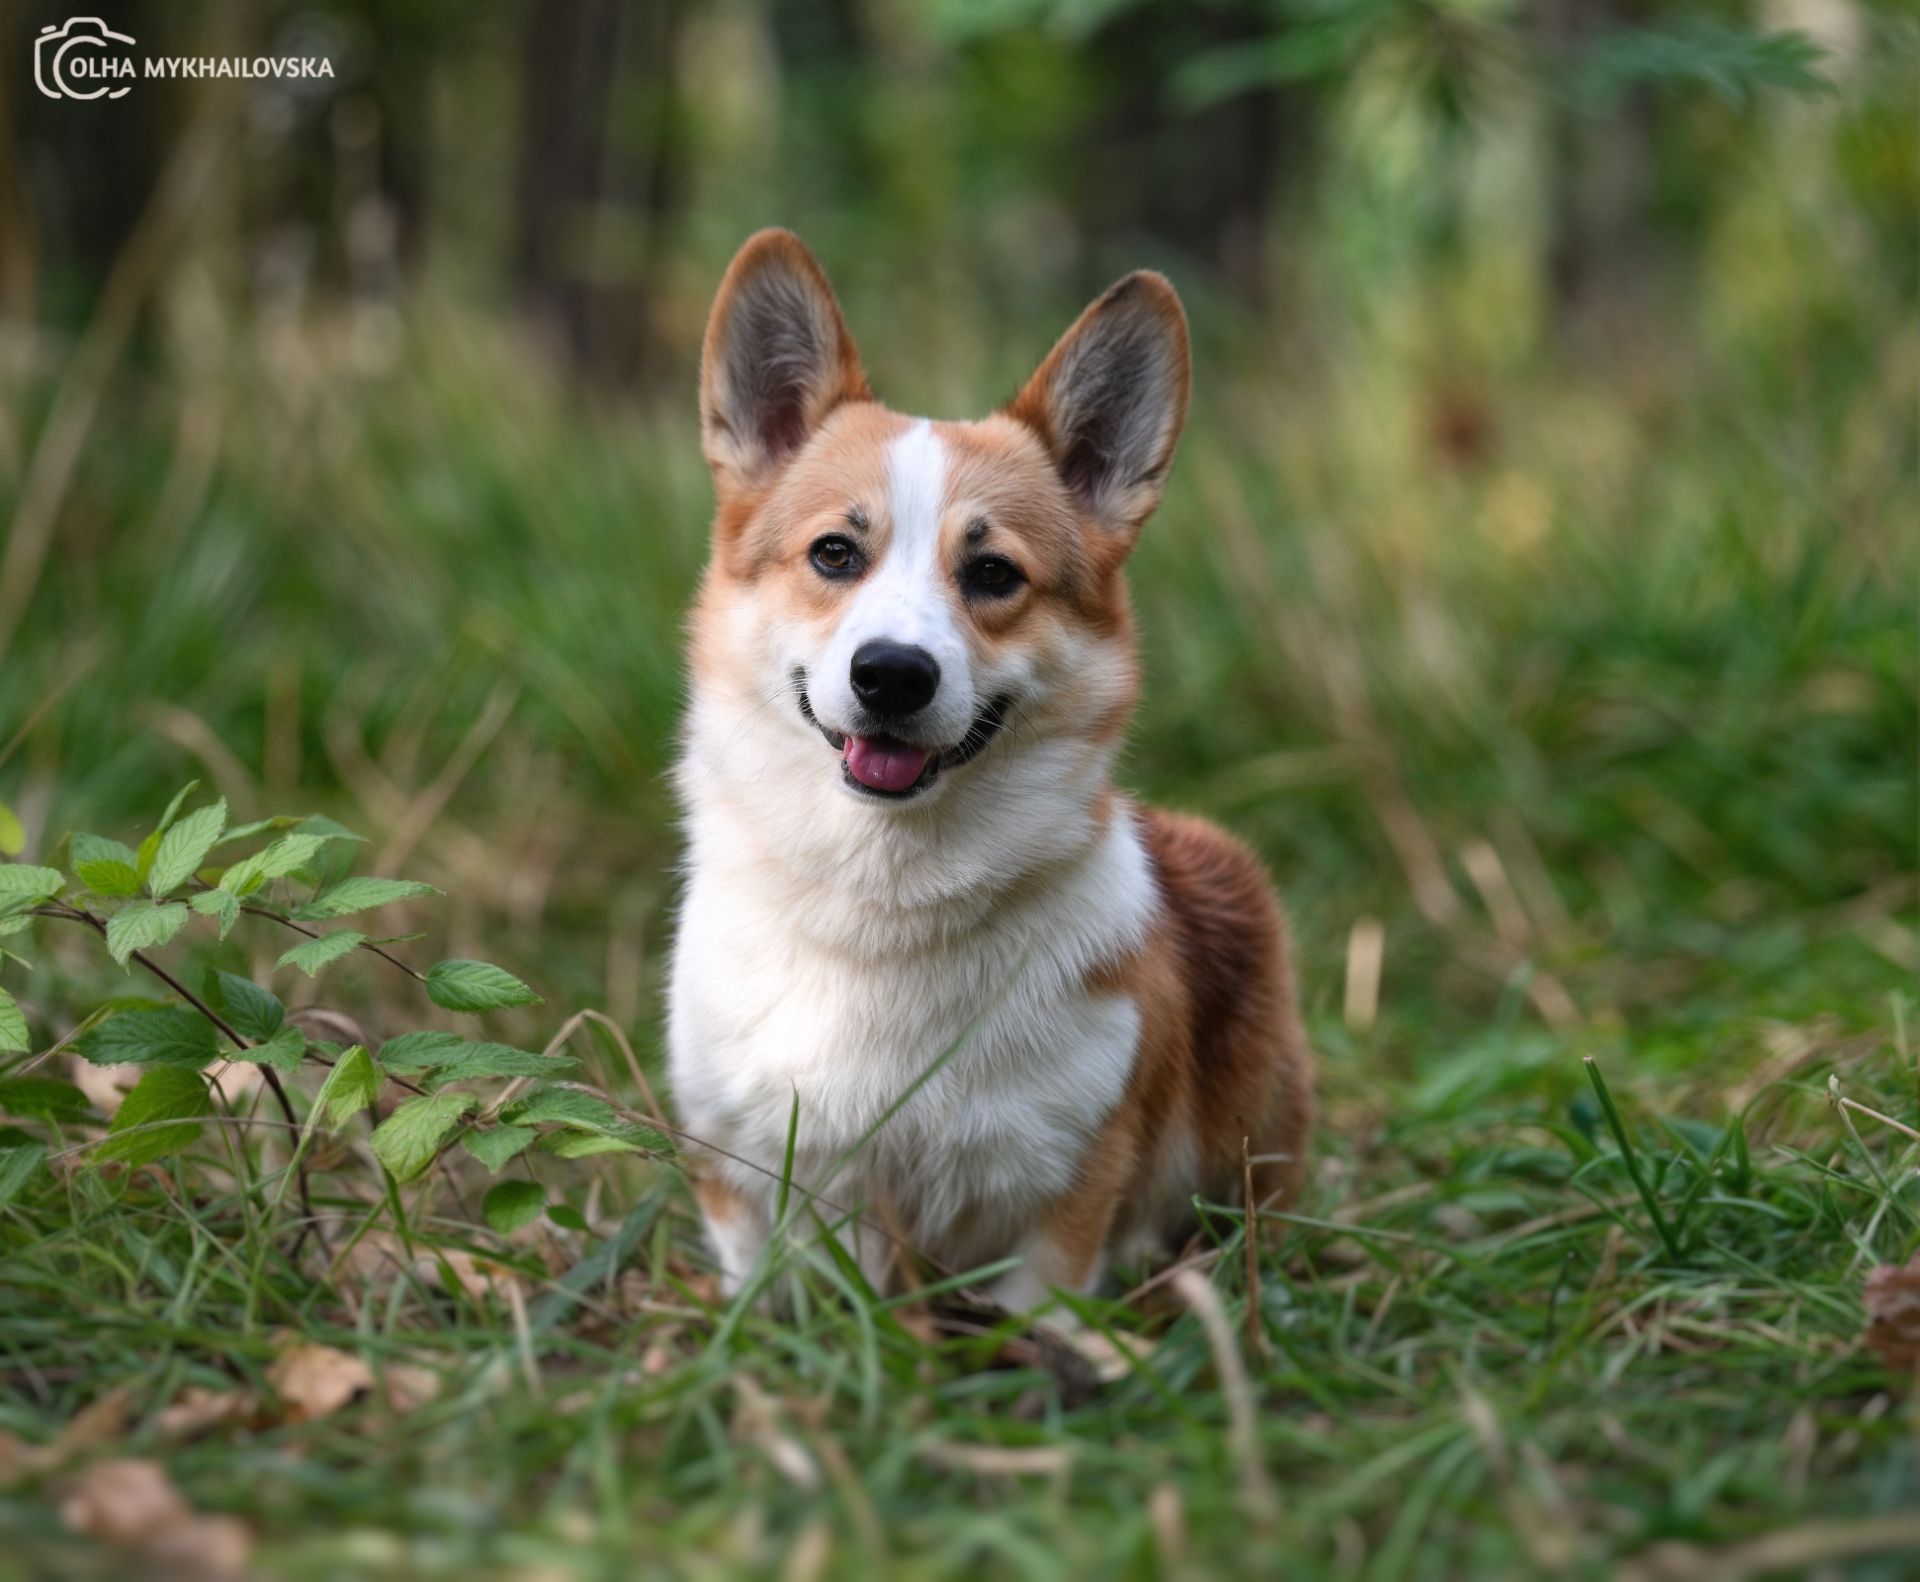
column 885, row 766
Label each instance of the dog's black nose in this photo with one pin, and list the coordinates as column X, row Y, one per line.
column 893, row 678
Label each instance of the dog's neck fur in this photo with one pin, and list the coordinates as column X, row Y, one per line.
column 876, row 882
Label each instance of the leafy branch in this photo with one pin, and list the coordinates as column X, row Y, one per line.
column 140, row 900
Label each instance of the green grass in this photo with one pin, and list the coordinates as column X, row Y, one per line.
column 1607, row 728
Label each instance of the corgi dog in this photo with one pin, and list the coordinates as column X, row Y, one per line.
column 1004, row 1014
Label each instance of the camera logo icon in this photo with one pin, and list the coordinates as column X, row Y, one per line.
column 82, row 59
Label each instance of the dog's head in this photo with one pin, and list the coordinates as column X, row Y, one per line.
column 913, row 599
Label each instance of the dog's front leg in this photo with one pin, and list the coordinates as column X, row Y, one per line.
column 1064, row 1251
column 738, row 1225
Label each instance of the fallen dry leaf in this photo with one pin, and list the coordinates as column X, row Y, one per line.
column 315, row 1381
column 1892, row 1300
column 134, row 1505
column 407, row 1387
column 196, row 1410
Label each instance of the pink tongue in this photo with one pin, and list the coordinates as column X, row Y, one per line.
column 883, row 765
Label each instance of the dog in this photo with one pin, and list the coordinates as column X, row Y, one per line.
column 1000, row 1013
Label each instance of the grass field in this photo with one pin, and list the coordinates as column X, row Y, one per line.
column 1574, row 712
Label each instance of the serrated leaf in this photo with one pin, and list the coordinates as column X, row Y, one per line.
column 222, row 903
column 173, row 808
column 166, row 1093
column 24, row 882
column 360, row 893
column 13, row 1026
column 350, row 1087
column 409, row 1140
column 42, row 1098
column 512, row 1204
column 20, row 1156
column 184, row 847
column 564, row 1107
column 451, row 1058
column 258, row 827
column 142, row 924
column 13, row 838
column 499, row 1145
column 591, row 1119
column 144, row 1038
column 106, row 867
column 326, row 828
column 584, row 1145
column 476, row 986
column 113, row 879
column 318, row 953
column 284, row 1051
column 255, row 1012
column 271, row 862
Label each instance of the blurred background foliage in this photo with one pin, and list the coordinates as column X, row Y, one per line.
column 1535, row 585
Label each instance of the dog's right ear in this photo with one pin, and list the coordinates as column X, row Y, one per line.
column 777, row 359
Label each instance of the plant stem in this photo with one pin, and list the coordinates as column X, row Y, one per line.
column 79, row 914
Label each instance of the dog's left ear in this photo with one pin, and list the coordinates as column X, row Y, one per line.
column 1111, row 398
column 777, row 359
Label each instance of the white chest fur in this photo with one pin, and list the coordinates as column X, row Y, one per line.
column 812, row 984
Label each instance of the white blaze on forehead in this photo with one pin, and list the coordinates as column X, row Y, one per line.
column 916, row 481
column 905, row 599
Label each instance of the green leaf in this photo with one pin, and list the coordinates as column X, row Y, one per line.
column 170, row 1037
column 321, row 952
column 326, row 828
column 568, row 1218
column 166, row 1093
column 23, row 882
column 585, row 1145
column 184, row 847
column 142, row 924
column 498, row 1145
column 475, row 986
column 565, row 1107
column 255, row 1012
column 13, row 838
column 409, row 1140
column 173, row 809
column 583, row 1112
column 223, row 904
column 513, row 1204
column 350, row 1087
column 20, row 1156
column 13, row 1026
column 106, row 867
column 283, row 1051
column 259, row 826
column 42, row 1098
column 271, row 862
column 451, row 1058
column 360, row 894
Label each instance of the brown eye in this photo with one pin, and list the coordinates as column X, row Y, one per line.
column 834, row 557
column 992, row 576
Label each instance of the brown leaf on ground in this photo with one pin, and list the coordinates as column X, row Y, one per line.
column 1892, row 1300
column 408, row 1387
column 315, row 1381
column 134, row 1505
column 100, row 1421
column 197, row 1410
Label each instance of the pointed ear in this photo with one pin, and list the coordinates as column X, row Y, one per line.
column 777, row 359
column 1111, row 398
